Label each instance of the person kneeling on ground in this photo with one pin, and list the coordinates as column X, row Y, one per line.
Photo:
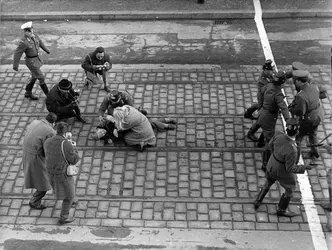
column 137, row 128
column 97, row 64
column 62, row 100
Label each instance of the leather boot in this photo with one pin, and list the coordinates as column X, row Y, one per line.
column 251, row 133
column 260, row 197
column 328, row 205
column 44, row 88
column 282, row 207
column 261, row 141
column 265, row 157
column 28, row 90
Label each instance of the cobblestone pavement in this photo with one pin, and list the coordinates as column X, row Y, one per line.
column 204, row 174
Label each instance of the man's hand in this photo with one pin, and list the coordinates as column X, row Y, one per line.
column 101, row 118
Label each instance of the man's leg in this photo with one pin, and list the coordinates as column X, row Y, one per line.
column 35, row 201
column 28, row 89
column 105, row 80
column 263, row 191
column 43, row 85
column 283, row 204
column 313, row 141
column 78, row 115
column 268, row 134
column 251, row 133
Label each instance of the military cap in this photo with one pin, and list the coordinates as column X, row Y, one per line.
column 298, row 66
column 65, row 84
column 268, row 65
column 27, row 25
column 301, row 74
column 280, row 78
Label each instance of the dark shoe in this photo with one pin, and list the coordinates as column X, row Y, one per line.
column 260, row 197
column 80, row 118
column 75, row 202
column 38, row 207
column 261, row 144
column 252, row 137
column 170, row 127
column 170, row 120
column 313, row 155
column 107, row 89
column 327, row 206
column 249, row 116
column 263, row 167
column 286, row 213
column 65, row 221
column 31, row 96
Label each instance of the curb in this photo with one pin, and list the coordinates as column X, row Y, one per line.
column 161, row 15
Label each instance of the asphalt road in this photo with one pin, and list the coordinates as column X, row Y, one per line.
column 226, row 43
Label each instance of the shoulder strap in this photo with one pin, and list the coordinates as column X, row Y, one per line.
column 63, row 153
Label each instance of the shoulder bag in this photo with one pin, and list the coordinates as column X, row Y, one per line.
column 71, row 169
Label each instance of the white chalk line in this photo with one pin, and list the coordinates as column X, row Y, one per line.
column 315, row 227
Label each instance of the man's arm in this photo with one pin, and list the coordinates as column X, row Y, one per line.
column 298, row 106
column 87, row 64
column 18, row 54
column 42, row 45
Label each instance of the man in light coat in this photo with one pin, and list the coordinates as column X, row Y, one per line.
column 35, row 172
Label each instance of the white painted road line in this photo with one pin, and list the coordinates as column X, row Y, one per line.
column 317, row 234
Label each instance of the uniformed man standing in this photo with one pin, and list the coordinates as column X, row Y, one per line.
column 307, row 107
column 282, row 167
column 30, row 44
column 270, row 103
column 264, row 79
column 311, row 80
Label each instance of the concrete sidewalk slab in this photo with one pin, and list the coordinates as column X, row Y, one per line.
column 160, row 10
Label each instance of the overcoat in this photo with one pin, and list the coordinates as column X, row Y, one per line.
column 35, row 172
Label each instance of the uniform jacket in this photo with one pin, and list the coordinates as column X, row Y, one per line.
column 91, row 60
column 282, row 164
column 55, row 161
column 271, row 101
column 109, row 106
column 307, row 105
column 262, row 81
column 29, row 46
column 58, row 103
column 35, row 173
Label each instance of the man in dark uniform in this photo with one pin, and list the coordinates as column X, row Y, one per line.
column 311, row 80
column 270, row 103
column 282, row 167
column 96, row 64
column 264, row 79
column 30, row 44
column 306, row 105
column 62, row 100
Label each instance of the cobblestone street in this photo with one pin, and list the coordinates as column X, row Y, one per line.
column 205, row 174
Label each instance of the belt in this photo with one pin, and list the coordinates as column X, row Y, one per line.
column 32, row 56
column 281, row 162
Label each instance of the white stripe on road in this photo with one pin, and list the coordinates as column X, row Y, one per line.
column 317, row 234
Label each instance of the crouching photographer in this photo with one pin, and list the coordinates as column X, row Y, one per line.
column 63, row 101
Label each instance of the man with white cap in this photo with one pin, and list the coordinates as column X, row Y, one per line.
column 30, row 44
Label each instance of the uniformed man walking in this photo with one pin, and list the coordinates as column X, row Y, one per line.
column 264, row 79
column 282, row 167
column 270, row 103
column 30, row 44
column 306, row 105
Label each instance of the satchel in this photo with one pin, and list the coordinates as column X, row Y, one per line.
column 71, row 169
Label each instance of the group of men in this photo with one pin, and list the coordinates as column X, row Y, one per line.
column 282, row 151
column 302, row 116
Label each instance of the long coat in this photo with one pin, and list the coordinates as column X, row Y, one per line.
column 30, row 46
column 35, row 172
column 138, row 128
